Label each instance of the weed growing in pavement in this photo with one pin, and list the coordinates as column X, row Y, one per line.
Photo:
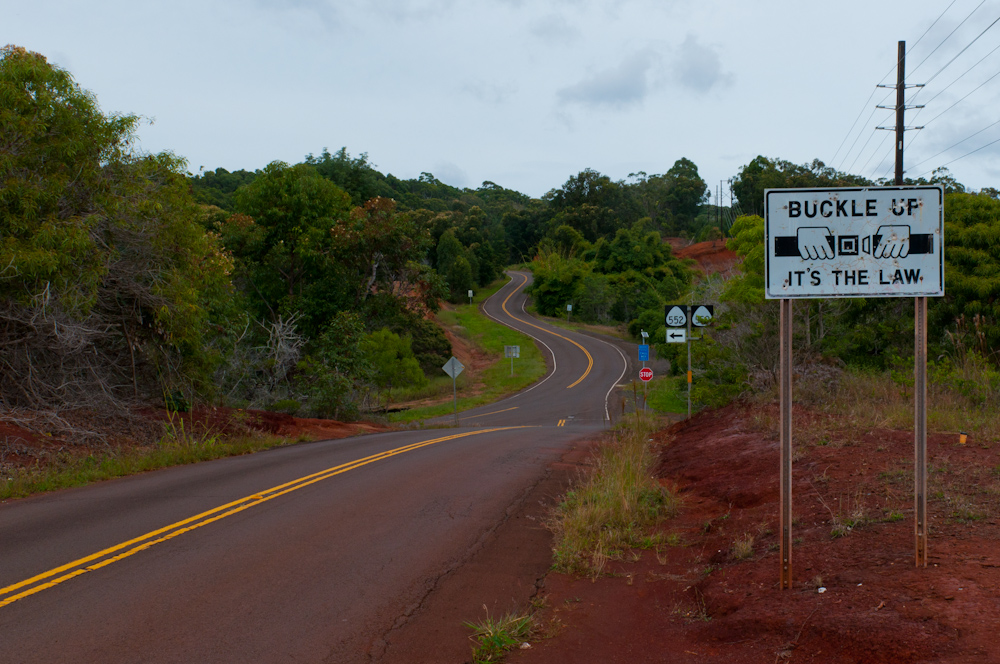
column 494, row 637
column 614, row 508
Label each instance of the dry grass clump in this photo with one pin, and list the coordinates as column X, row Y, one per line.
column 615, row 507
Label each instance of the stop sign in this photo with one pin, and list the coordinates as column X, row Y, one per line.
column 646, row 374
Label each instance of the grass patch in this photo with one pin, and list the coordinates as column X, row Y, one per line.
column 616, row 507
column 490, row 337
column 742, row 547
column 494, row 637
column 177, row 447
column 869, row 400
column 668, row 394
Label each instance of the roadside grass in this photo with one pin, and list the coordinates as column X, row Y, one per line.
column 861, row 402
column 176, row 447
column 489, row 337
column 616, row 331
column 668, row 394
column 494, row 637
column 615, row 508
column 868, row 400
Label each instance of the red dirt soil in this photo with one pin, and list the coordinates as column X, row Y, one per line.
column 696, row 601
column 710, row 257
column 27, row 443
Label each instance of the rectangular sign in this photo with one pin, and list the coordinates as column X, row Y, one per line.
column 644, row 352
column 854, row 242
column 676, row 335
column 512, row 351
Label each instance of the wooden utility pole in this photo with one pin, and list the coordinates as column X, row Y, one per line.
column 919, row 340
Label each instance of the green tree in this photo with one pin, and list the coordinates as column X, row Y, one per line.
column 286, row 255
column 972, row 267
column 392, row 361
column 763, row 173
column 109, row 279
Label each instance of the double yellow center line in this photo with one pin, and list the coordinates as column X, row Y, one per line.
column 95, row 561
column 590, row 360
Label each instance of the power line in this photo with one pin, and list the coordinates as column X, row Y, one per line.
column 997, row 19
column 962, row 99
column 962, row 157
column 949, row 34
column 865, row 105
column 858, row 138
column 957, row 144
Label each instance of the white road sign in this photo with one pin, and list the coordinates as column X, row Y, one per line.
column 453, row 367
column 676, row 335
column 676, row 315
column 854, row 242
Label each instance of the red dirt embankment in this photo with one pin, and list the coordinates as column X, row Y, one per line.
column 710, row 257
column 29, row 439
column 857, row 595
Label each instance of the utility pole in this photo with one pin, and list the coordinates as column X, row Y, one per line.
column 900, row 108
column 919, row 340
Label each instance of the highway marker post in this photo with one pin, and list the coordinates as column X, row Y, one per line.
column 679, row 319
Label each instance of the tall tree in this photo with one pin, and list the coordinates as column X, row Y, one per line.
column 285, row 250
column 108, row 276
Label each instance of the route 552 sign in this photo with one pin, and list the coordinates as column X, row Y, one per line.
column 854, row 242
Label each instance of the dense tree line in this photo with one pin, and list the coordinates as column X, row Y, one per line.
column 311, row 287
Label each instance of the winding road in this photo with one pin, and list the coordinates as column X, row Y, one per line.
column 308, row 553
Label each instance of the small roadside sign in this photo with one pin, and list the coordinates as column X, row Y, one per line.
column 453, row 367
column 676, row 336
column 644, row 353
column 512, row 351
column 702, row 315
column 646, row 374
column 676, row 315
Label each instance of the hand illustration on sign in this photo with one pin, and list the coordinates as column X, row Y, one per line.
column 889, row 241
column 819, row 243
column 815, row 242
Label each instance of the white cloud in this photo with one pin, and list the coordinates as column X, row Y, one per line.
column 554, row 28
column 489, row 93
column 619, row 87
column 698, row 67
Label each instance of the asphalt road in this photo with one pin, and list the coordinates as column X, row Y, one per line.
column 310, row 553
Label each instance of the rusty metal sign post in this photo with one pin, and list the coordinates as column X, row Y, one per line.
column 854, row 242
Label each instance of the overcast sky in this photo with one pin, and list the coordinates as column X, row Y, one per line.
column 525, row 93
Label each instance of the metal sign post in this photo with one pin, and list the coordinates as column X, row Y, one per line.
column 785, row 372
column 689, row 364
column 920, row 429
column 453, row 367
column 512, row 352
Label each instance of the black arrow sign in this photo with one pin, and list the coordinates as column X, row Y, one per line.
column 676, row 335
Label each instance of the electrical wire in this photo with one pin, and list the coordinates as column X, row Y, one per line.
column 957, row 144
column 995, row 21
column 963, row 156
column 865, row 105
column 949, row 34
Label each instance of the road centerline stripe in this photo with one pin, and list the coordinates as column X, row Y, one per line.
column 590, row 359
column 104, row 557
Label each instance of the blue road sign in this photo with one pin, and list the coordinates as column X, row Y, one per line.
column 644, row 353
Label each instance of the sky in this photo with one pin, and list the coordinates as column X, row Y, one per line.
column 526, row 93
